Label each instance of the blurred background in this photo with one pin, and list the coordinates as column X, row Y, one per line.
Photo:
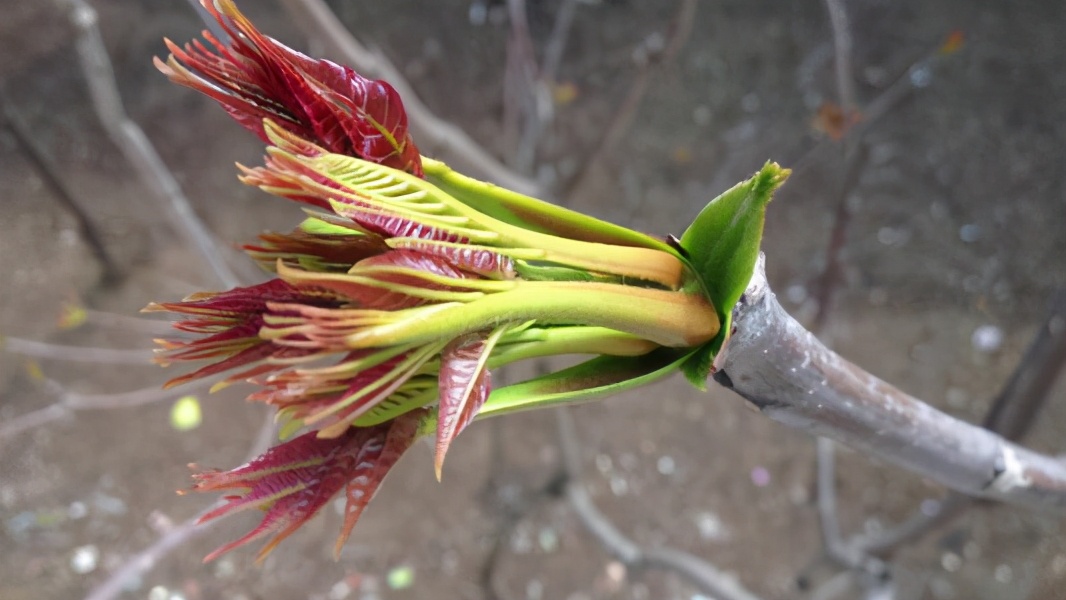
column 938, row 164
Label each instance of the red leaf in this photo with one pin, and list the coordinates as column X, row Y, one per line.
column 337, row 252
column 464, row 385
column 371, row 283
column 233, row 320
column 294, row 480
column 374, row 466
column 480, row 261
column 257, row 78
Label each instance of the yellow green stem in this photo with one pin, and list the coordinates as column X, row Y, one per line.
column 673, row 319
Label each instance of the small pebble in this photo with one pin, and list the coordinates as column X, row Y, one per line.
column 987, row 338
column 548, row 539
column 340, row 590
column 77, row 510
column 85, row 559
column 534, row 589
column 760, row 477
column 666, row 465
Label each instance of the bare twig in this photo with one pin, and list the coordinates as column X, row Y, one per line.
column 174, row 538
column 32, row 420
column 556, row 44
column 46, row 170
column 825, row 454
column 75, row 353
column 917, row 526
column 838, row 19
column 791, row 377
column 209, row 21
column 1016, row 405
column 317, row 21
column 854, row 160
column 69, row 402
column 130, row 139
column 528, row 86
column 681, row 29
column 915, row 77
column 527, row 102
column 701, row 574
column 856, row 154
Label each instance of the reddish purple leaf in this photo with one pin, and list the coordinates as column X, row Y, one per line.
column 397, row 268
column 233, row 320
column 464, row 383
column 257, row 78
column 480, row 261
column 374, row 466
column 338, row 252
column 294, row 480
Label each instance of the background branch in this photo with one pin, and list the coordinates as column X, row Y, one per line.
column 70, row 401
column 75, row 353
column 174, row 538
column 46, row 170
column 135, row 146
column 701, row 574
column 680, row 30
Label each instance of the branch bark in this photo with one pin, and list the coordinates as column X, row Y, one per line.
column 791, row 377
column 1012, row 413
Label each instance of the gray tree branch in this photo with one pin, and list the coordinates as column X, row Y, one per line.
column 132, row 141
column 1012, row 413
column 791, row 377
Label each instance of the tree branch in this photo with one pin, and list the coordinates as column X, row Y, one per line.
column 38, row 158
column 110, row 356
column 698, row 572
column 173, row 538
column 135, row 146
column 680, row 30
column 791, row 377
column 69, row 402
column 1011, row 415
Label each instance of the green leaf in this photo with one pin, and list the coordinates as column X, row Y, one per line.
column 595, row 378
column 315, row 225
column 697, row 367
column 533, row 214
column 722, row 245
column 592, row 379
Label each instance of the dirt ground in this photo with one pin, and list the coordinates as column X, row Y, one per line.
column 958, row 228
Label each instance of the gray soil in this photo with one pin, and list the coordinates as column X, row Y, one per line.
column 958, row 227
